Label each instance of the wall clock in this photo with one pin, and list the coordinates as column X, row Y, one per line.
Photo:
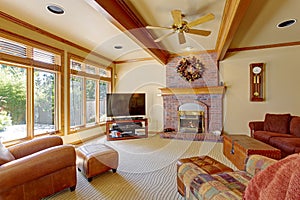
column 257, row 81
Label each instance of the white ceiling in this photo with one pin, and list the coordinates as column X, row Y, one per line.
column 158, row 13
column 83, row 23
column 259, row 26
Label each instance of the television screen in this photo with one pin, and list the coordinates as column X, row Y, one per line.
column 125, row 104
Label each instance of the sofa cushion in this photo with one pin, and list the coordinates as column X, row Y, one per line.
column 279, row 123
column 228, row 185
column 288, row 145
column 295, row 126
column 5, row 155
column 265, row 136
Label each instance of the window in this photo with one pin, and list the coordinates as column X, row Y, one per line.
column 104, row 88
column 89, row 84
column 44, row 102
column 28, row 90
column 90, row 101
column 76, row 101
column 13, row 98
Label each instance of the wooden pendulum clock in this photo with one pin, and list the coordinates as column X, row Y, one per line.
column 257, row 81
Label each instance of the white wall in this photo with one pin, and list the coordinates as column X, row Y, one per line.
column 282, row 86
column 147, row 77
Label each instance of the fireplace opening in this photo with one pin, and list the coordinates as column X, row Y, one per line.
column 191, row 121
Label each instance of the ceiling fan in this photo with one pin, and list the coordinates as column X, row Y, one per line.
column 181, row 26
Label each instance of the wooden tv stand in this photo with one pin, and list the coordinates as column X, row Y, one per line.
column 123, row 129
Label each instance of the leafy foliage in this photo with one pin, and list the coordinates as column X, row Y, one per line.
column 5, row 120
column 13, row 90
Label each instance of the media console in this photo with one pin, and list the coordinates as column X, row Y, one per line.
column 126, row 128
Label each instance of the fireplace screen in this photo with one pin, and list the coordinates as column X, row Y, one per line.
column 191, row 121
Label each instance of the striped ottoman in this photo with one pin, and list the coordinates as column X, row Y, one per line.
column 95, row 159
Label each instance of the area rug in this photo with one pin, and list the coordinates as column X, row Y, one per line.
column 192, row 136
column 147, row 170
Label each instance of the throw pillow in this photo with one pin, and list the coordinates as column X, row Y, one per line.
column 5, row 155
column 295, row 126
column 279, row 123
column 278, row 181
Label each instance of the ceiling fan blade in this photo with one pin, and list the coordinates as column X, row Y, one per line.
column 201, row 20
column 164, row 36
column 176, row 14
column 158, row 27
column 199, row 32
column 181, row 38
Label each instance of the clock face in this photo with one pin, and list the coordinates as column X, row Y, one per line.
column 256, row 70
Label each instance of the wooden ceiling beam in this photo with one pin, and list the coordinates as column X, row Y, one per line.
column 234, row 13
column 123, row 16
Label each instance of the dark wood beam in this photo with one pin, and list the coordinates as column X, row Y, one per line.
column 124, row 17
column 234, row 13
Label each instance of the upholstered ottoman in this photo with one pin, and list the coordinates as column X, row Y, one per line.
column 206, row 163
column 95, row 159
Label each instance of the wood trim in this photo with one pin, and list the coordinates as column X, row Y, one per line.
column 24, row 40
column 234, row 13
column 121, row 14
column 28, row 62
column 68, row 101
column 60, row 92
column 87, row 61
column 268, row 46
column 133, row 60
column 193, row 91
column 192, row 53
column 84, row 74
column 48, row 34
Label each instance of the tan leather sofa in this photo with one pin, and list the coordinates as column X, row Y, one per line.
column 41, row 167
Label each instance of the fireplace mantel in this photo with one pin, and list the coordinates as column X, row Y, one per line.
column 201, row 90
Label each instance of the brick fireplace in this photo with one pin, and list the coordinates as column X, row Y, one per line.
column 205, row 93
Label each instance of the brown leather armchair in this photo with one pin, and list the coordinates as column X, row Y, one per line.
column 42, row 167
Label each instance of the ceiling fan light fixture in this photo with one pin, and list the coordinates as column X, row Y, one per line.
column 55, row 9
column 181, row 26
column 286, row 23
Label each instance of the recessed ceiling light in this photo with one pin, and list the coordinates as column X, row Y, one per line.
column 55, row 9
column 286, row 23
column 188, row 48
column 118, row 47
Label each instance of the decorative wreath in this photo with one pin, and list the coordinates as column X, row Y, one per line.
column 190, row 68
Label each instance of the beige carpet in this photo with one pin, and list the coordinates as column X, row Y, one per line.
column 147, row 170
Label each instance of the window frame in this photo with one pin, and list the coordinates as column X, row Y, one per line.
column 30, row 64
column 86, row 76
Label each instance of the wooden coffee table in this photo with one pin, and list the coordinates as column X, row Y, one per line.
column 237, row 148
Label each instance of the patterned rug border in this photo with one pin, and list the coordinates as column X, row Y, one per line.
column 192, row 136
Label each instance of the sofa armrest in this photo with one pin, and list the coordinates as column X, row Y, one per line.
column 256, row 126
column 35, row 145
column 257, row 163
column 36, row 165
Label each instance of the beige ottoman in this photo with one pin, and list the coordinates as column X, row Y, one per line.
column 95, row 159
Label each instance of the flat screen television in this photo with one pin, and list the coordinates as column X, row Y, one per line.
column 126, row 104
